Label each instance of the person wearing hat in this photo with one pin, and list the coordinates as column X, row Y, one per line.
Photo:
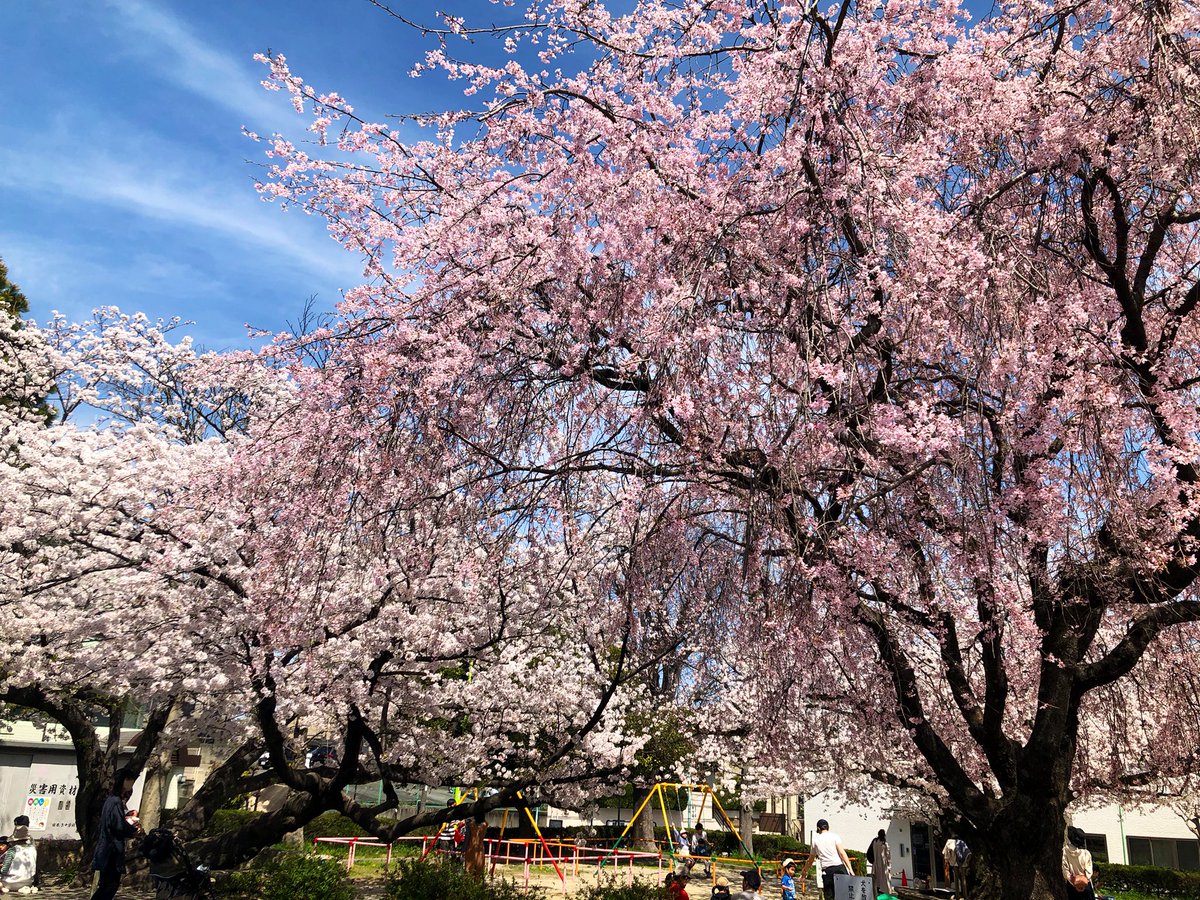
column 751, row 882
column 828, row 851
column 787, row 880
column 1077, row 865
column 677, row 890
column 19, row 867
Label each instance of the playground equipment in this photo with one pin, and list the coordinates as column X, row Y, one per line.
column 575, row 859
column 706, row 793
column 460, row 797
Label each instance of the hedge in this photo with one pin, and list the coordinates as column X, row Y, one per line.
column 283, row 875
column 331, row 824
column 224, row 821
column 779, row 846
column 1112, row 877
column 413, row 879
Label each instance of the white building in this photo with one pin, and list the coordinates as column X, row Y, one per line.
column 1130, row 835
column 39, row 775
column 38, row 778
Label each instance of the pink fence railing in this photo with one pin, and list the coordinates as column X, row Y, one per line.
column 567, row 859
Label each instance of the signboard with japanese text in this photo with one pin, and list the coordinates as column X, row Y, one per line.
column 852, row 887
column 50, row 799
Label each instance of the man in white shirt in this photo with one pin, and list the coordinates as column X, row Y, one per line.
column 829, row 853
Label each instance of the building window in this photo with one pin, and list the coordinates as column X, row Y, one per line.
column 1167, row 853
column 1097, row 845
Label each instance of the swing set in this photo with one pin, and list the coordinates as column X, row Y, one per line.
column 614, row 854
column 706, row 792
column 461, row 796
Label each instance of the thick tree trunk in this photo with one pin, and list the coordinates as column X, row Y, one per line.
column 227, row 780
column 154, row 790
column 746, row 819
column 474, row 856
column 643, row 828
column 1019, row 856
column 231, row 849
column 746, row 827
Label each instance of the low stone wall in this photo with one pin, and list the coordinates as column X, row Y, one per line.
column 58, row 856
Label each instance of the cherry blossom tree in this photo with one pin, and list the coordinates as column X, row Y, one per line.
column 94, row 629
column 427, row 631
column 222, row 542
column 898, row 308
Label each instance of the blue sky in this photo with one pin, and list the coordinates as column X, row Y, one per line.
column 125, row 178
column 124, row 175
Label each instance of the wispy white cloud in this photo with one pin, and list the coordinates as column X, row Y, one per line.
column 73, row 279
column 232, row 212
column 174, row 50
column 139, row 205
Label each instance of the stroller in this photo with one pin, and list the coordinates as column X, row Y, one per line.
column 172, row 871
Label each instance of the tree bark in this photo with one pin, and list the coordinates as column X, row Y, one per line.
column 227, row 780
column 643, row 826
column 473, row 855
column 154, row 790
column 746, row 826
column 1020, row 856
column 745, row 817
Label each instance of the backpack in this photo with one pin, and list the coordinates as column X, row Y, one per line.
column 871, row 852
column 961, row 853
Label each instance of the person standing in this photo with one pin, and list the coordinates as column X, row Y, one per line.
column 955, row 855
column 950, row 865
column 117, row 826
column 787, row 880
column 879, row 855
column 1077, row 865
column 828, row 851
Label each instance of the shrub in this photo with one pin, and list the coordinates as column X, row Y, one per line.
column 224, row 821
column 413, row 879
column 291, row 876
column 777, row 846
column 1112, row 877
column 858, row 860
column 331, row 824
column 611, row 890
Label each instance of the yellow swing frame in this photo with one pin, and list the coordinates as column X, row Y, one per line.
column 706, row 792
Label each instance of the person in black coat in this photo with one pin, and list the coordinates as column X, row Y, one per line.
column 117, row 826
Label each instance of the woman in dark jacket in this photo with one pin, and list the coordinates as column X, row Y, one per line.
column 116, row 827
